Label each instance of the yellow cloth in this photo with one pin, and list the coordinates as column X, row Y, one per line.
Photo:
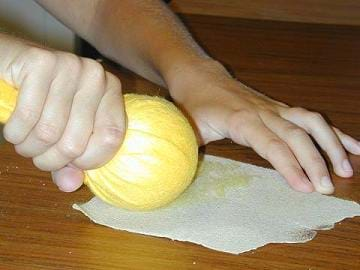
column 8, row 96
column 156, row 162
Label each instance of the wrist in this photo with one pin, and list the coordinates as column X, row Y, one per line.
column 197, row 72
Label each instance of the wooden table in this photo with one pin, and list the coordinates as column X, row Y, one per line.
column 314, row 66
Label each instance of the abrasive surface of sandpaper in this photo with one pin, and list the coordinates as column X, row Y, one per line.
column 231, row 207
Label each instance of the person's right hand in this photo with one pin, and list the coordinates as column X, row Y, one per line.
column 69, row 114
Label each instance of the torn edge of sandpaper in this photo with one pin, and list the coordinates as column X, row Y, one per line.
column 231, row 207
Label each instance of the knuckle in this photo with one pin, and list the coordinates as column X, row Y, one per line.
column 241, row 117
column 290, row 170
column 113, row 81
column 10, row 135
column 317, row 161
column 294, row 132
column 96, row 70
column 24, row 151
column 297, row 111
column 27, row 115
column 240, row 125
column 113, row 136
column 70, row 61
column 245, row 113
column 22, row 121
column 47, row 133
column 275, row 147
column 41, row 57
column 70, row 150
column 43, row 166
column 315, row 116
column 19, row 150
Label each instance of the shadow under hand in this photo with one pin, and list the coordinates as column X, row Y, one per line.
column 2, row 140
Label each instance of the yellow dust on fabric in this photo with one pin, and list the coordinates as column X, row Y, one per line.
column 156, row 162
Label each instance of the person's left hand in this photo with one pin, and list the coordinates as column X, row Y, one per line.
column 222, row 107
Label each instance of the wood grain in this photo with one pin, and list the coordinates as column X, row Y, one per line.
column 307, row 65
column 346, row 12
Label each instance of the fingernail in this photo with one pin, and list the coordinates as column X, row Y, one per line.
column 326, row 182
column 347, row 166
column 308, row 187
column 356, row 150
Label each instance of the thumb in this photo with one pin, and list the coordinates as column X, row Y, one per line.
column 69, row 178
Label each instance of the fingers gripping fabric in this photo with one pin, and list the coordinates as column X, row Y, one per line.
column 156, row 162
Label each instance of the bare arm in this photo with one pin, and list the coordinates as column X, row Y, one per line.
column 144, row 36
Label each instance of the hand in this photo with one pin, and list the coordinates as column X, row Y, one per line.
column 69, row 114
column 222, row 107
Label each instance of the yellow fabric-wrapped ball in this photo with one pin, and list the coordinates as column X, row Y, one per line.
column 8, row 96
column 156, row 161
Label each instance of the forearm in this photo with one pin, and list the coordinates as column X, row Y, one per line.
column 144, row 36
